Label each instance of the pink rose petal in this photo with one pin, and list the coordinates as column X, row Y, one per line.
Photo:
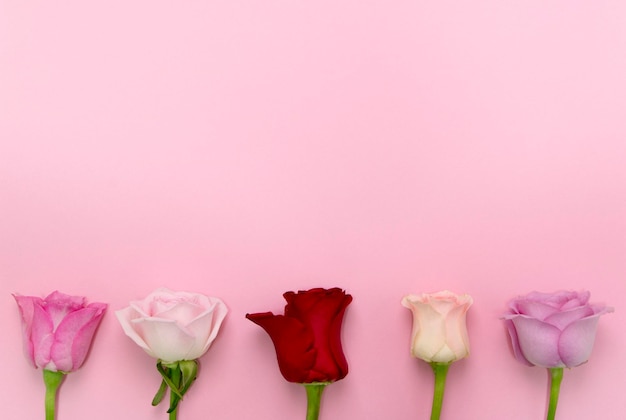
column 73, row 337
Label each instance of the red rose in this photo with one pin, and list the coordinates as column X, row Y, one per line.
column 308, row 337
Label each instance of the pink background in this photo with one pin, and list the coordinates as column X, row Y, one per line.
column 246, row 148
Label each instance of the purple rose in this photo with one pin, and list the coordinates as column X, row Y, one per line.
column 553, row 330
column 58, row 330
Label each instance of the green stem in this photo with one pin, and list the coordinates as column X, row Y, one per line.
column 556, row 376
column 441, row 371
column 53, row 381
column 314, row 398
column 176, row 379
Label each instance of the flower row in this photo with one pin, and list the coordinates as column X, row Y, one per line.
column 551, row 330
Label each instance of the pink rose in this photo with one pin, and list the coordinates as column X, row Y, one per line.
column 439, row 330
column 553, row 330
column 176, row 328
column 173, row 326
column 58, row 330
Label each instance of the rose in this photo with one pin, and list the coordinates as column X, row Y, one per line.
column 439, row 335
column 553, row 330
column 176, row 328
column 173, row 326
column 439, row 331
column 57, row 331
column 307, row 338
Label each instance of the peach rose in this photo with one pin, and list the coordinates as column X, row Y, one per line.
column 439, row 332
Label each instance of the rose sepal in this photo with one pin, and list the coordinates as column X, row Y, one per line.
column 178, row 377
column 158, row 397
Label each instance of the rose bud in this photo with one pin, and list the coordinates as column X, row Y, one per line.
column 439, row 335
column 307, row 339
column 439, row 331
column 57, row 333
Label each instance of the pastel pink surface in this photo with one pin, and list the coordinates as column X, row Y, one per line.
column 244, row 149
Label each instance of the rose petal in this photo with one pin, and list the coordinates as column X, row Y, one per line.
column 517, row 350
column 84, row 337
column 457, row 339
column 556, row 299
column 126, row 317
column 579, row 299
column 164, row 338
column 73, row 336
column 26, row 307
column 538, row 341
column 42, row 336
column 293, row 342
column 299, row 304
column 151, row 304
column 71, row 302
column 321, row 318
column 334, row 335
column 428, row 331
column 444, row 355
column 165, row 300
column 218, row 314
column 562, row 319
column 445, row 296
column 58, row 305
column 577, row 340
column 200, row 329
column 182, row 311
column 538, row 310
column 138, row 309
